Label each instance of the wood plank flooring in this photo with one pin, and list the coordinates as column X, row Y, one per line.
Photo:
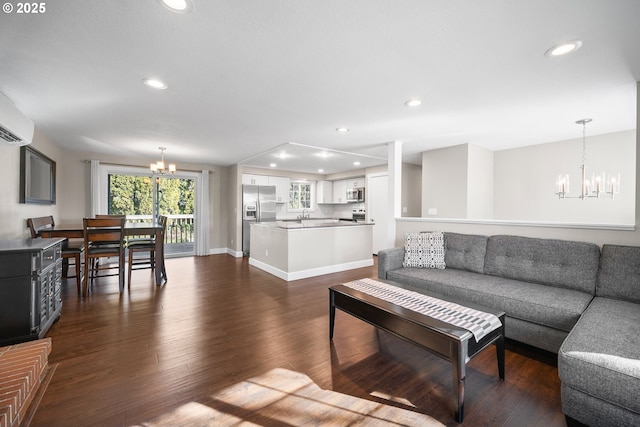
column 127, row 358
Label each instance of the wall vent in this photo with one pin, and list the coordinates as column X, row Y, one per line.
column 15, row 128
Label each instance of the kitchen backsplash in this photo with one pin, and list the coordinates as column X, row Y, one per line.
column 320, row 211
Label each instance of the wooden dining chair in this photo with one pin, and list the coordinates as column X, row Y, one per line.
column 107, row 216
column 103, row 238
column 71, row 248
column 146, row 244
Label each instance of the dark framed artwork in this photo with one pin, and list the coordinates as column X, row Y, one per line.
column 37, row 177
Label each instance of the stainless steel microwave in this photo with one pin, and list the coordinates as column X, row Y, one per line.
column 355, row 195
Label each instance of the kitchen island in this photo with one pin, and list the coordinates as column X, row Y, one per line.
column 293, row 250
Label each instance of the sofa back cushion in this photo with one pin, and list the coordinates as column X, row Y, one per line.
column 561, row 263
column 619, row 275
column 465, row 251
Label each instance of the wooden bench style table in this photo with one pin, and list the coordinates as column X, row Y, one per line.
column 452, row 343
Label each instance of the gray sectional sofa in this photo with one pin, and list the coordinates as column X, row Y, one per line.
column 599, row 362
column 561, row 296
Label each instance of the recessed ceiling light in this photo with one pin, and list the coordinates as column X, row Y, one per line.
column 178, row 6
column 413, row 103
column 155, row 83
column 356, row 163
column 273, row 165
column 342, row 130
column 320, row 170
column 564, row 48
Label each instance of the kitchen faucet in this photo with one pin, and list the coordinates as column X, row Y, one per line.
column 304, row 215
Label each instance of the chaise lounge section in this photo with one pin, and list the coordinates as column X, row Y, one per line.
column 599, row 362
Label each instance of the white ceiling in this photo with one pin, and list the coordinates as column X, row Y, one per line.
column 247, row 76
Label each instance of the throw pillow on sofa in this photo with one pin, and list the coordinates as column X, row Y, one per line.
column 424, row 250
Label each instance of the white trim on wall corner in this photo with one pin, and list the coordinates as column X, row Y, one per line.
column 229, row 251
column 588, row 226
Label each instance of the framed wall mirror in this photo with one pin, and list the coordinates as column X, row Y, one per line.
column 37, row 177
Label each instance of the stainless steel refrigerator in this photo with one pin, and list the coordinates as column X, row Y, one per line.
column 258, row 205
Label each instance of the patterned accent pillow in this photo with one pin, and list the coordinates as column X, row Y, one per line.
column 424, row 250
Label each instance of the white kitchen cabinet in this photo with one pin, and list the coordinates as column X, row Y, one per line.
column 340, row 191
column 255, row 179
column 324, row 192
column 355, row 182
column 282, row 188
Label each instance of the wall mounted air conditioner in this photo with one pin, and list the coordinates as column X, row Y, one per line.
column 15, row 128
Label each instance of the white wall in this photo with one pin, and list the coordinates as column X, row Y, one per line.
column 599, row 236
column 14, row 214
column 480, row 183
column 444, row 182
column 73, row 189
column 77, row 203
column 458, row 182
column 467, row 181
column 411, row 190
column 525, row 180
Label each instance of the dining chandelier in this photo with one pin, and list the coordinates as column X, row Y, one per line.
column 159, row 167
column 593, row 187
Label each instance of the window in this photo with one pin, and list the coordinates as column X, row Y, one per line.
column 299, row 195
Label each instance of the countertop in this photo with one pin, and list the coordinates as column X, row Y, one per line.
column 310, row 223
column 27, row 245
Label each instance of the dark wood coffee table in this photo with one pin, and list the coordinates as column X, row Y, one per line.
column 449, row 342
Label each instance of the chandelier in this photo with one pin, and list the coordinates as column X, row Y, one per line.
column 593, row 187
column 159, row 167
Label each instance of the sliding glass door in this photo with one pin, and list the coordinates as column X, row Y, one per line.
column 141, row 196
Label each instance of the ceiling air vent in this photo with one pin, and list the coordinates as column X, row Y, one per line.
column 15, row 128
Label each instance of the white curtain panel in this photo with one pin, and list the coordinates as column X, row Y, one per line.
column 95, row 188
column 202, row 215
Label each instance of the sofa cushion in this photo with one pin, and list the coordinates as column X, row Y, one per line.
column 544, row 305
column 424, row 250
column 559, row 263
column 619, row 275
column 601, row 355
column 465, row 251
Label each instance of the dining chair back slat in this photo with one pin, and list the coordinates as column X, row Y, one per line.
column 36, row 225
column 103, row 238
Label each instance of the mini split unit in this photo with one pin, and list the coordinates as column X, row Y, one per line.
column 15, row 128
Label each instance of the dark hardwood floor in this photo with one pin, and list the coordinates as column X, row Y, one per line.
column 127, row 358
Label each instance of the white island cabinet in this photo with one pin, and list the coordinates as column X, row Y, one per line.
column 293, row 251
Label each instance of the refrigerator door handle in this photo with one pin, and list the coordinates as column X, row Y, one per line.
column 258, row 212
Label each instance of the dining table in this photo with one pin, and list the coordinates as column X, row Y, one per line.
column 146, row 228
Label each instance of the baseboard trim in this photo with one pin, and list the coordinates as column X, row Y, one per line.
column 303, row 274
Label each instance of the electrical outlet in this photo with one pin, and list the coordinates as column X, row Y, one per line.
column 432, row 211
column 266, row 252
